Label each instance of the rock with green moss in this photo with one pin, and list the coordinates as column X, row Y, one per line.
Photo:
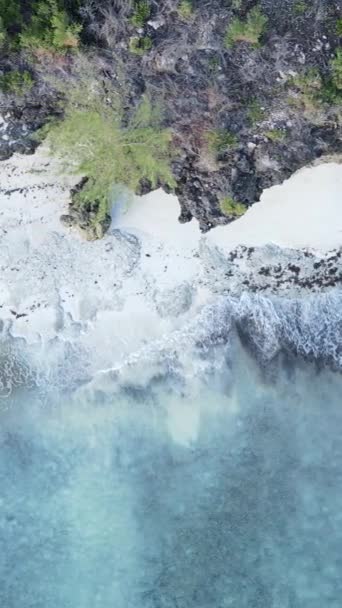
column 232, row 208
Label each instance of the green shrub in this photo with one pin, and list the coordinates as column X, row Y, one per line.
column 300, row 7
column 336, row 69
column 185, row 9
column 37, row 24
column 10, row 22
column 236, row 4
column 232, row 208
column 309, row 86
column 255, row 111
column 16, row 82
column 315, row 90
column 96, row 141
column 50, row 28
column 339, row 27
column 275, row 135
column 220, row 140
column 214, row 64
column 142, row 12
column 11, row 16
column 140, row 46
column 2, row 33
column 249, row 31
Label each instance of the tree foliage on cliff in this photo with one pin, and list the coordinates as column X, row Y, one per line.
column 113, row 151
column 39, row 24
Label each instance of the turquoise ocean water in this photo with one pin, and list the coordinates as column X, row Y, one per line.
column 209, row 476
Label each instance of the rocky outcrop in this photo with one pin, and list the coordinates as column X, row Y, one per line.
column 88, row 218
column 19, row 121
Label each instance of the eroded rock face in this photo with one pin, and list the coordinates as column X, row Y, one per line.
column 88, row 218
column 20, row 119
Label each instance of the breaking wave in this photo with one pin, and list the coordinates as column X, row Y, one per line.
column 309, row 328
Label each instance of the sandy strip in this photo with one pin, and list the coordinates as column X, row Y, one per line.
column 146, row 280
column 304, row 212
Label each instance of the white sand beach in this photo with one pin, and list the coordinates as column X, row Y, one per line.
column 305, row 211
column 145, row 278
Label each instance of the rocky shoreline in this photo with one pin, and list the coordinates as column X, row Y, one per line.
column 272, row 270
column 52, row 280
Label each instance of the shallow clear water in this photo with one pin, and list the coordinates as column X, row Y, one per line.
column 215, row 489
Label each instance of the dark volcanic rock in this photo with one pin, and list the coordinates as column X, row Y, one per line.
column 20, row 119
column 87, row 217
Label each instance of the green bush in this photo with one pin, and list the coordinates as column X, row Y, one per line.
column 309, row 86
column 11, row 16
column 300, row 7
column 185, row 9
column 16, row 82
column 275, row 135
column 50, row 28
column 220, row 140
column 140, row 46
column 142, row 12
column 315, row 90
column 255, row 112
column 38, row 24
column 2, row 33
column 249, row 31
column 336, row 69
column 339, row 27
column 236, row 5
column 96, row 141
column 232, row 208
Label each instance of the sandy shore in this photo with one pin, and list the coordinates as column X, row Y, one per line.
column 146, row 278
column 305, row 211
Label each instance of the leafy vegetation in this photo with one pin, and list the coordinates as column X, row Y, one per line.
column 220, row 140
column 140, row 46
column 11, row 16
column 309, row 87
column 236, row 4
column 50, row 28
column 185, row 9
column 276, row 135
column 336, row 69
column 255, row 112
column 214, row 64
column 16, row 82
column 96, row 141
column 44, row 24
column 10, row 21
column 339, row 27
column 249, row 30
column 142, row 12
column 315, row 90
column 232, row 208
column 300, row 7
column 2, row 33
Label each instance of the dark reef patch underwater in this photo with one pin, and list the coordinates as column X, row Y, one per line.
column 207, row 473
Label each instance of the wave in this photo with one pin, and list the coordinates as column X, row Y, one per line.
column 310, row 328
